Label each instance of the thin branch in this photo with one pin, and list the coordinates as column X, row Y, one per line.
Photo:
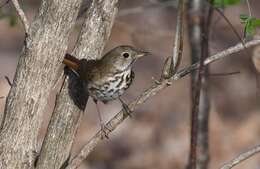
column 172, row 63
column 241, row 157
column 228, row 22
column 223, row 74
column 8, row 81
column 249, row 8
column 21, row 14
column 5, row 3
column 155, row 88
column 178, row 42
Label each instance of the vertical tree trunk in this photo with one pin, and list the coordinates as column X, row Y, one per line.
column 40, row 59
column 94, row 34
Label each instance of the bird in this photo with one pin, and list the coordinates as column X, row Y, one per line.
column 105, row 79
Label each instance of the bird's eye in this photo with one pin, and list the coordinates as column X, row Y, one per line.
column 125, row 55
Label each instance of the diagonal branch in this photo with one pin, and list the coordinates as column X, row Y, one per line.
column 241, row 157
column 147, row 94
column 21, row 14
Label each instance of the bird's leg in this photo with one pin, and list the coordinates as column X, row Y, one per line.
column 125, row 107
column 102, row 125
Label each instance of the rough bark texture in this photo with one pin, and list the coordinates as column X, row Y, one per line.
column 66, row 117
column 41, row 57
column 96, row 29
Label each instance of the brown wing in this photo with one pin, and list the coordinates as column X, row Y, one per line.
column 87, row 69
column 77, row 90
column 74, row 69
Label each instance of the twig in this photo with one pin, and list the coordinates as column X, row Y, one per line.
column 228, row 22
column 224, row 74
column 147, row 94
column 241, row 157
column 249, row 8
column 172, row 63
column 8, row 81
column 178, row 41
column 6, row 2
column 21, row 15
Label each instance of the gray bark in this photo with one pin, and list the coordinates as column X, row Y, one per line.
column 62, row 128
column 40, row 59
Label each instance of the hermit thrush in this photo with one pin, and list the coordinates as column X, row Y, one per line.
column 105, row 79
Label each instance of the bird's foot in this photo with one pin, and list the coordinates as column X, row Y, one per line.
column 104, row 133
column 127, row 111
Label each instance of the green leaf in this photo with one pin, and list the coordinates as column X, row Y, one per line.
column 243, row 17
column 250, row 25
column 257, row 22
column 224, row 3
column 249, row 29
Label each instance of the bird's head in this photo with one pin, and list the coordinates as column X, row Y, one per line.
column 123, row 57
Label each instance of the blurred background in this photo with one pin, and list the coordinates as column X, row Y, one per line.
column 157, row 136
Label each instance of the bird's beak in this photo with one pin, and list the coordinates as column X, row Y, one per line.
column 141, row 54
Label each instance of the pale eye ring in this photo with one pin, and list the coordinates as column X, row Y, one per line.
column 125, row 54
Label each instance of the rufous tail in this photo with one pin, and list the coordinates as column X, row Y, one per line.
column 71, row 61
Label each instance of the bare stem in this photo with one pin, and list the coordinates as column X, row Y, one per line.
column 8, row 81
column 178, row 42
column 172, row 63
column 21, row 14
column 241, row 157
column 249, row 8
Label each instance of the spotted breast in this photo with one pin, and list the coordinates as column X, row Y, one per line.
column 112, row 87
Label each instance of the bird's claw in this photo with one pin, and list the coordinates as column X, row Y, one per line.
column 104, row 134
column 158, row 82
column 127, row 110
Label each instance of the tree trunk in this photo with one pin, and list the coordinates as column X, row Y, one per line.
column 94, row 34
column 45, row 45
